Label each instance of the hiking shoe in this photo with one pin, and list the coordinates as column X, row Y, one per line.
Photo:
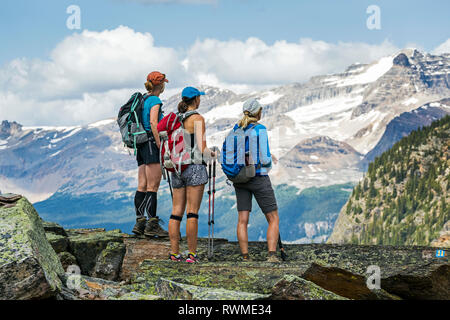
column 246, row 257
column 153, row 228
column 139, row 227
column 175, row 257
column 192, row 258
column 273, row 258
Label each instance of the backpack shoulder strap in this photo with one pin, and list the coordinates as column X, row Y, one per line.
column 184, row 116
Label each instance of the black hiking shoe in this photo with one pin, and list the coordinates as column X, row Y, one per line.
column 153, row 228
column 139, row 226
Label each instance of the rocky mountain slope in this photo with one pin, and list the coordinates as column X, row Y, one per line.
column 404, row 197
column 323, row 131
column 42, row 260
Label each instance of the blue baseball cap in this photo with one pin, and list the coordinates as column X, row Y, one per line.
column 191, row 92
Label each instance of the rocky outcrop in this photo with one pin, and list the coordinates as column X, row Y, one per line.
column 87, row 244
column 29, row 267
column 295, row 288
column 109, row 261
column 171, row 290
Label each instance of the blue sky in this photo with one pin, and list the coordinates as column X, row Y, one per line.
column 51, row 75
column 35, row 27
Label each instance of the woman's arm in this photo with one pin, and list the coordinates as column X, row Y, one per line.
column 154, row 113
column 263, row 145
column 200, row 135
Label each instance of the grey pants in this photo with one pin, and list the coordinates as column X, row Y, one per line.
column 261, row 188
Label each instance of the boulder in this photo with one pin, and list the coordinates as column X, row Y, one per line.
column 171, row 290
column 58, row 242
column 109, row 261
column 292, row 287
column 87, row 244
column 345, row 283
column 29, row 266
column 53, row 227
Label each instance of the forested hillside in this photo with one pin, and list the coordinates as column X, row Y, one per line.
column 403, row 198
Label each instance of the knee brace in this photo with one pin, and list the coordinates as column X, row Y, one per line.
column 192, row 216
column 178, row 218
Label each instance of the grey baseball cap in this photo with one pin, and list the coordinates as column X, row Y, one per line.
column 252, row 106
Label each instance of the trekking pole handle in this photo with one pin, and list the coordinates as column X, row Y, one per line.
column 214, row 168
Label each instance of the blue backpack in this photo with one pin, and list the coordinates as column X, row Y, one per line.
column 236, row 161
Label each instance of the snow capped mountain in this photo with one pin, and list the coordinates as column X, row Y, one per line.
column 351, row 109
column 38, row 161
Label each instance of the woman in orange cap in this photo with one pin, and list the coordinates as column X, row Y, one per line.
column 149, row 172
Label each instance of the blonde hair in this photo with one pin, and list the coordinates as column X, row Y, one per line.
column 248, row 118
column 150, row 86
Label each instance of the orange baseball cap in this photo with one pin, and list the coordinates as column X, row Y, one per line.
column 156, row 77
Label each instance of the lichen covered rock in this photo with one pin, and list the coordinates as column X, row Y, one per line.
column 109, row 261
column 292, row 287
column 29, row 267
column 257, row 277
column 87, row 244
column 58, row 242
column 178, row 291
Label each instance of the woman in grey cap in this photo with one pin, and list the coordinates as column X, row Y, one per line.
column 260, row 185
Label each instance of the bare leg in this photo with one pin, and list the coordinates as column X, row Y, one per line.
column 272, row 230
column 194, row 200
column 153, row 174
column 142, row 179
column 178, row 206
column 242, row 233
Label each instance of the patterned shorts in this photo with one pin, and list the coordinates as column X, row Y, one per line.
column 194, row 175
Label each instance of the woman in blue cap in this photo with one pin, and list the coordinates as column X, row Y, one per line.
column 188, row 188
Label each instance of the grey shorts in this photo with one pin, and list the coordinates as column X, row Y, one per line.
column 193, row 175
column 261, row 188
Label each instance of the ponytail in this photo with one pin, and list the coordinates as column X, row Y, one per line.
column 247, row 119
column 149, row 86
column 152, row 87
column 184, row 104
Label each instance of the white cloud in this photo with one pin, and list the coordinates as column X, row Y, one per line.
column 90, row 74
column 90, row 62
column 255, row 62
column 443, row 48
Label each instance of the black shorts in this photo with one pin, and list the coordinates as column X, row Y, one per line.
column 147, row 153
column 261, row 188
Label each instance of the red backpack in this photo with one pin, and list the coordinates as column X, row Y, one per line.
column 175, row 153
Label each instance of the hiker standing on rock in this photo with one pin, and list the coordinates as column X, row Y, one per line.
column 189, row 186
column 259, row 185
column 149, row 172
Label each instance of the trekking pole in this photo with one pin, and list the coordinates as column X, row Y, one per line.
column 170, row 183
column 213, row 197
column 280, row 245
column 209, row 210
